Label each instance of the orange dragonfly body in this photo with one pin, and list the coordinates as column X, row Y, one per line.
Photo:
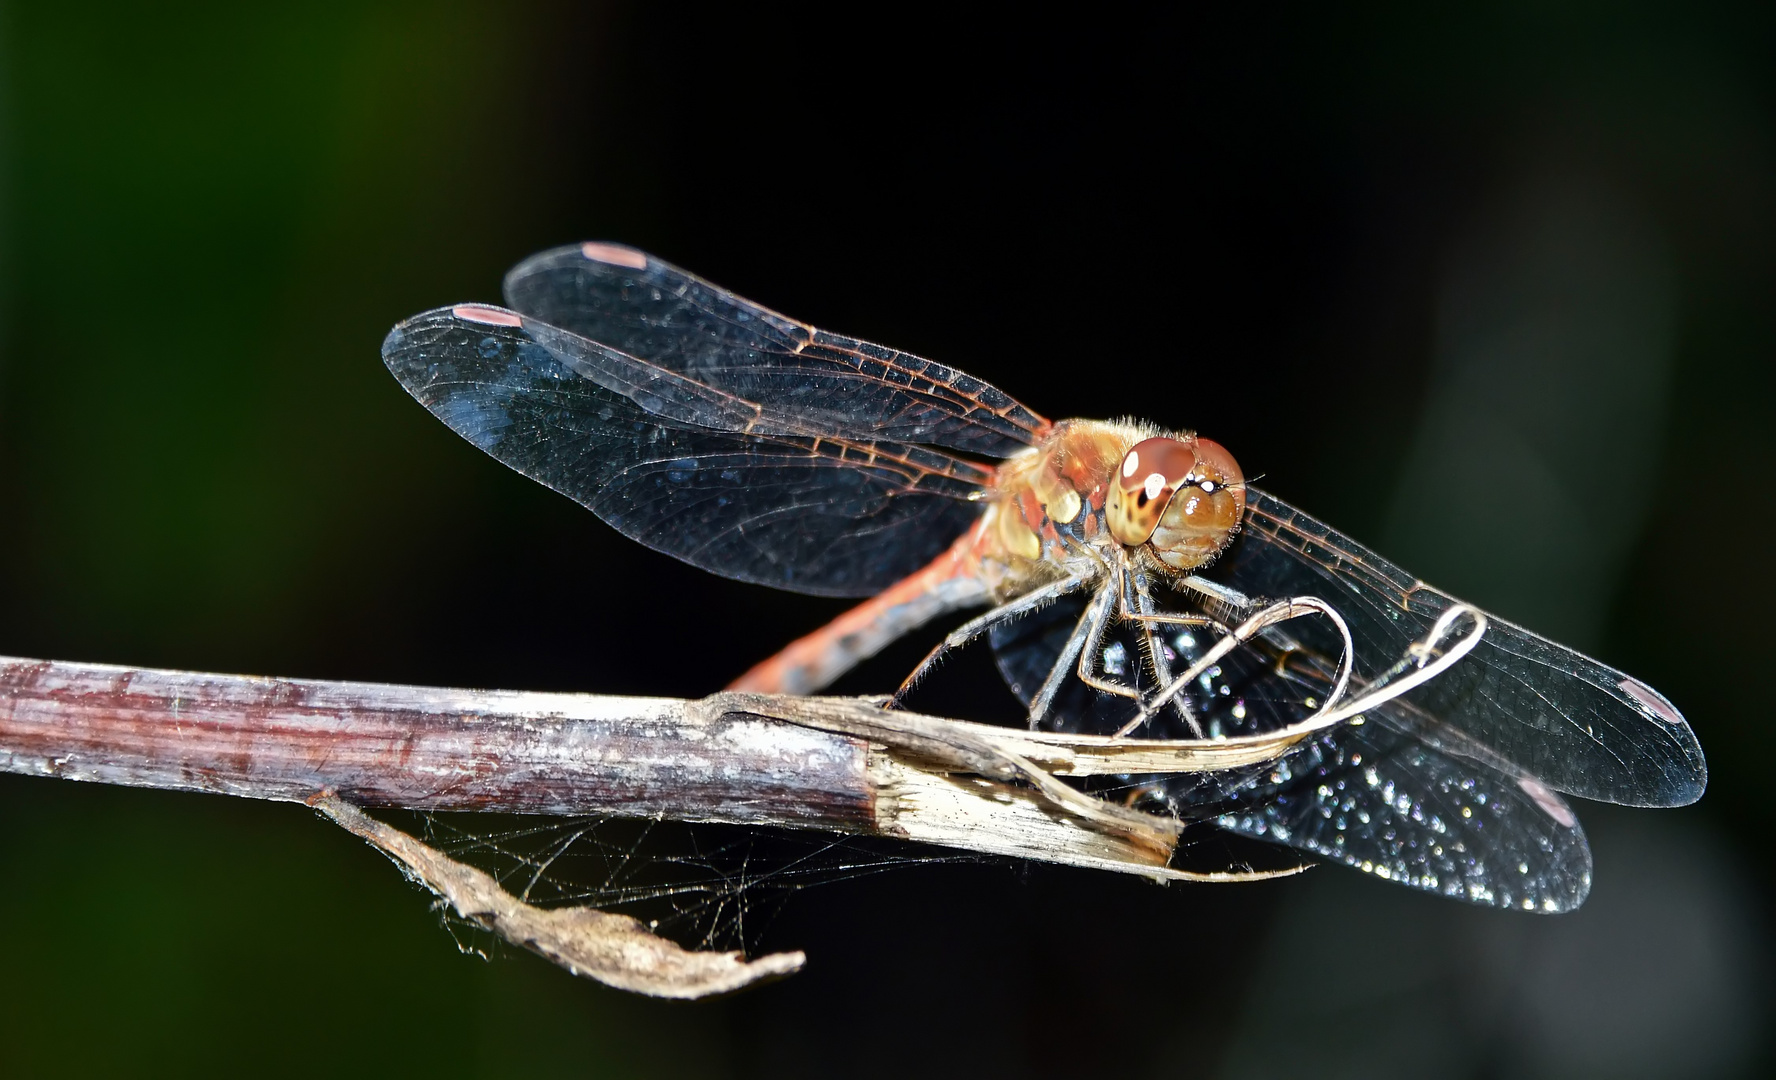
column 1127, row 570
column 1083, row 502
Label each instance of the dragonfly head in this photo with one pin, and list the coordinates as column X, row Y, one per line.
column 1183, row 497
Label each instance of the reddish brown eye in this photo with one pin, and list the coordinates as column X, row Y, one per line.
column 1216, row 466
column 1143, row 485
column 1205, row 513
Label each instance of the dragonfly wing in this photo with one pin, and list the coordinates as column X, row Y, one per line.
column 1378, row 799
column 1578, row 725
column 1400, row 795
column 645, row 308
column 671, row 462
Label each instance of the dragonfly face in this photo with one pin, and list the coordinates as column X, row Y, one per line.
column 1173, row 501
column 1182, row 497
column 768, row 450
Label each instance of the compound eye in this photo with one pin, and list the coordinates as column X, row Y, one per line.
column 1150, row 472
column 1215, row 467
column 1205, row 512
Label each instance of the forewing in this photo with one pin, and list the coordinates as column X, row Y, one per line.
column 1579, row 726
column 672, row 463
column 645, row 308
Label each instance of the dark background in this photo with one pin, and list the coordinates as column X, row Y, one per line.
column 1489, row 289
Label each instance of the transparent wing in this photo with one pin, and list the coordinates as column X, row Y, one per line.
column 1376, row 798
column 730, row 485
column 1400, row 795
column 645, row 308
column 1577, row 725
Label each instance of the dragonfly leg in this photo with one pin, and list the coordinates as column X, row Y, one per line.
column 1232, row 599
column 1279, row 612
column 1087, row 632
column 979, row 625
column 1099, row 614
column 1057, row 675
column 1156, row 649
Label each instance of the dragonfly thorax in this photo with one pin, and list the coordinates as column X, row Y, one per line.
column 1092, row 484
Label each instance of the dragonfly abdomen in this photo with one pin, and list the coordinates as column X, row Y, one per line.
column 950, row 582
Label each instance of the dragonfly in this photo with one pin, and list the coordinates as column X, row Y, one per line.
column 1135, row 583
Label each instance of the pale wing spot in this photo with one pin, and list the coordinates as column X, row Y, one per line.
column 615, row 255
column 1650, row 700
column 1548, row 801
column 487, row 316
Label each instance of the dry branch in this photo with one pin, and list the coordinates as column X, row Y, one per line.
column 836, row 764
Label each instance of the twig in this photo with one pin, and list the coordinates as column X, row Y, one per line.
column 836, row 764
